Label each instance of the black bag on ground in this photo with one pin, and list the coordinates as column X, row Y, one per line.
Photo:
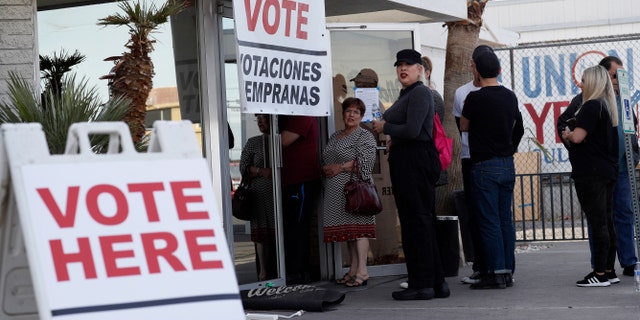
column 295, row 297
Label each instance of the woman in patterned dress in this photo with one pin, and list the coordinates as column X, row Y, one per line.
column 253, row 162
column 338, row 160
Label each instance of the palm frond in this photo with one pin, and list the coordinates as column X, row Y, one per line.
column 542, row 148
column 77, row 103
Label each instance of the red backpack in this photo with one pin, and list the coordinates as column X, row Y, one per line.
column 444, row 144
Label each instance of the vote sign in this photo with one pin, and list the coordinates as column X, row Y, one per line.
column 283, row 57
column 127, row 240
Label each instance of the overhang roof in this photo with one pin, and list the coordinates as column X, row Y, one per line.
column 389, row 11
column 348, row 11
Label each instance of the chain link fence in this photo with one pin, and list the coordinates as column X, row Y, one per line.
column 544, row 77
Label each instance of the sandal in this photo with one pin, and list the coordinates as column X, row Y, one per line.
column 357, row 281
column 346, row 278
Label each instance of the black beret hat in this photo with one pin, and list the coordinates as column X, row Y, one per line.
column 409, row 56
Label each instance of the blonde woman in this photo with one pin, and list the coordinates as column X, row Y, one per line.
column 593, row 153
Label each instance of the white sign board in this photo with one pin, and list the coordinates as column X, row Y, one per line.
column 283, row 57
column 125, row 239
column 625, row 102
column 371, row 98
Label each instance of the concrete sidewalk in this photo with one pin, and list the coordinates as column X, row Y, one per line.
column 544, row 288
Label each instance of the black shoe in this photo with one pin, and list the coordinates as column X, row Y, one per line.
column 414, row 294
column 594, row 280
column 474, row 278
column 628, row 270
column 613, row 278
column 508, row 280
column 442, row 290
column 490, row 281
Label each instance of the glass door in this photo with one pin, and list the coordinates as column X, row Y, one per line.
column 363, row 57
column 256, row 243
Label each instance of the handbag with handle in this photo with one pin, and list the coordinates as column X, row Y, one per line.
column 243, row 204
column 361, row 196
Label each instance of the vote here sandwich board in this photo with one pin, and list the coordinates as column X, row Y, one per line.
column 121, row 236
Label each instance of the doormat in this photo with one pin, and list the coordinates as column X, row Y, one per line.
column 296, row 297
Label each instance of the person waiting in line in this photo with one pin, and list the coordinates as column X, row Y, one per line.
column 467, row 186
column 438, row 102
column 494, row 124
column 593, row 153
column 343, row 148
column 339, row 95
column 414, row 169
column 368, row 78
column 254, row 162
column 437, row 98
column 622, row 205
column 439, row 108
column 300, row 190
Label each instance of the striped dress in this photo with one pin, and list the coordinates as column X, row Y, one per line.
column 263, row 226
column 339, row 225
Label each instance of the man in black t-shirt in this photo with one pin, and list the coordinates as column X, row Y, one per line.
column 494, row 125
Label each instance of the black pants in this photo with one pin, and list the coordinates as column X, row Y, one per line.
column 415, row 168
column 596, row 199
column 298, row 205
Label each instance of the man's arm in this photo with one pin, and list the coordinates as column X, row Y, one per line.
column 464, row 124
column 518, row 132
column 288, row 138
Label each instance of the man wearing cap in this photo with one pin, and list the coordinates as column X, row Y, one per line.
column 471, row 221
column 366, row 78
column 494, row 124
column 414, row 167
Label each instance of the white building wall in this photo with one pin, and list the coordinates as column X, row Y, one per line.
column 549, row 20
column 18, row 50
column 510, row 22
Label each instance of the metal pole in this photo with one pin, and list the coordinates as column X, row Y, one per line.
column 631, row 170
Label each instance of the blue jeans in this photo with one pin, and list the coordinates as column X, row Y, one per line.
column 493, row 182
column 623, row 221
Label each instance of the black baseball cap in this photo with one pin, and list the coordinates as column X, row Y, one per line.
column 487, row 64
column 480, row 49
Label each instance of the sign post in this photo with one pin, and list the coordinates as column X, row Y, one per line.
column 629, row 134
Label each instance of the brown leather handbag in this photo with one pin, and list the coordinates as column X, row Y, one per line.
column 361, row 196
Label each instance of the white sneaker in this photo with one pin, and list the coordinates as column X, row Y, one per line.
column 474, row 278
column 404, row 285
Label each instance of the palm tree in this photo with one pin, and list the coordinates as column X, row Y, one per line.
column 76, row 103
column 54, row 67
column 133, row 71
column 462, row 39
